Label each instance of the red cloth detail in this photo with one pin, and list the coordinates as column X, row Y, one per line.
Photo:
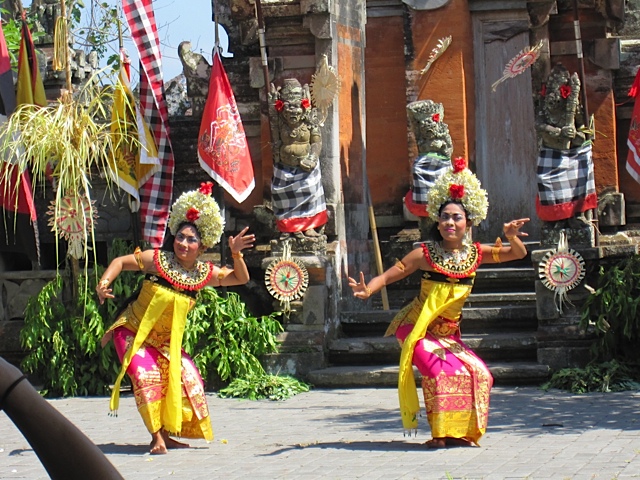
column 416, row 209
column 300, row 224
column 635, row 88
column 562, row 211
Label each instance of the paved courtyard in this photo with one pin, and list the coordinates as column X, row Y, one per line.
column 356, row 433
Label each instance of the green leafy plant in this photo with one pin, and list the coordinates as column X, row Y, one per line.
column 609, row 376
column 613, row 311
column 62, row 336
column 221, row 333
column 262, row 385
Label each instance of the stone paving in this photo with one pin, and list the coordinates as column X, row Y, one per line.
column 356, row 433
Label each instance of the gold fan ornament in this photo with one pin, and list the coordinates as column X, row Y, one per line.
column 325, row 85
column 72, row 218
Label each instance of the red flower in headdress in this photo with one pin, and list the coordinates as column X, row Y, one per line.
column 305, row 103
column 435, row 117
column 192, row 214
column 543, row 90
column 456, row 191
column 459, row 164
column 206, row 188
column 279, row 105
column 565, row 91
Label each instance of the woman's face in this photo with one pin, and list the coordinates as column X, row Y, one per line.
column 187, row 245
column 453, row 223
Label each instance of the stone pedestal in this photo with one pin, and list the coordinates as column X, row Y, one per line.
column 302, row 343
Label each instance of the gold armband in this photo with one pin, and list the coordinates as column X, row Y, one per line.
column 136, row 253
column 222, row 273
column 400, row 265
column 495, row 250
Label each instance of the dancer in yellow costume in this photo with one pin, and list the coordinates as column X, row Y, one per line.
column 168, row 388
column 455, row 381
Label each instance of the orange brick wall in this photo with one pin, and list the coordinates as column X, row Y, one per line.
column 450, row 79
column 387, row 150
column 351, row 136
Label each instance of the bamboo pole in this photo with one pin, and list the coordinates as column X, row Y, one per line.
column 376, row 246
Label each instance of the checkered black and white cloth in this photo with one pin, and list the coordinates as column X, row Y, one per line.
column 426, row 169
column 156, row 194
column 296, row 193
column 566, row 183
column 565, row 175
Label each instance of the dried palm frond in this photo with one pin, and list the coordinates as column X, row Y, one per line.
column 439, row 49
column 66, row 142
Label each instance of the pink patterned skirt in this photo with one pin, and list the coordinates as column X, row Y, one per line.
column 149, row 373
column 455, row 383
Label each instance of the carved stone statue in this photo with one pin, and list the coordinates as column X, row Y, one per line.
column 559, row 119
column 426, row 118
column 566, row 184
column 296, row 187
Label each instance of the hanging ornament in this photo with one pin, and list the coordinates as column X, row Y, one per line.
column 325, row 85
column 72, row 219
column 286, row 279
column 519, row 64
column 441, row 46
column 561, row 270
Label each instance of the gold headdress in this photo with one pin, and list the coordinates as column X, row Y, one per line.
column 200, row 209
column 459, row 185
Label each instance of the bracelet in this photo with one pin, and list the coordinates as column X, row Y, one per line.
column 104, row 283
column 495, row 250
column 9, row 389
column 511, row 237
column 237, row 255
column 136, row 254
column 368, row 290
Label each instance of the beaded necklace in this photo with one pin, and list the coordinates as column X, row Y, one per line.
column 455, row 263
column 179, row 277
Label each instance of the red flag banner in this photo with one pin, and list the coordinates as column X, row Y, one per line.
column 633, row 141
column 156, row 194
column 222, row 144
column 19, row 225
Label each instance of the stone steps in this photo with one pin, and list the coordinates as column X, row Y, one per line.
column 504, row 373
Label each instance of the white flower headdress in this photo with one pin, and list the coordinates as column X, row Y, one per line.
column 459, row 185
column 200, row 209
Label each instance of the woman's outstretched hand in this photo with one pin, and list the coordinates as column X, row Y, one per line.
column 360, row 289
column 241, row 241
column 512, row 228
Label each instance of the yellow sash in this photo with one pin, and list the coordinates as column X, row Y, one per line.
column 162, row 299
column 438, row 301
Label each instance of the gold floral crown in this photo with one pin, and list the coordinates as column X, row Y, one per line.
column 200, row 209
column 459, row 185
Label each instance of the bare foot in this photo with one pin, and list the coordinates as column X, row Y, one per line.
column 170, row 443
column 436, row 443
column 158, row 447
column 457, row 442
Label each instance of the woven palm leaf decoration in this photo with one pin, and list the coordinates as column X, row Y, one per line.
column 519, row 64
column 72, row 218
column 286, row 279
column 325, row 85
column 436, row 53
column 561, row 270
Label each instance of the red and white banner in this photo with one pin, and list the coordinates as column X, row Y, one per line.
column 633, row 141
column 222, row 144
column 156, row 194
